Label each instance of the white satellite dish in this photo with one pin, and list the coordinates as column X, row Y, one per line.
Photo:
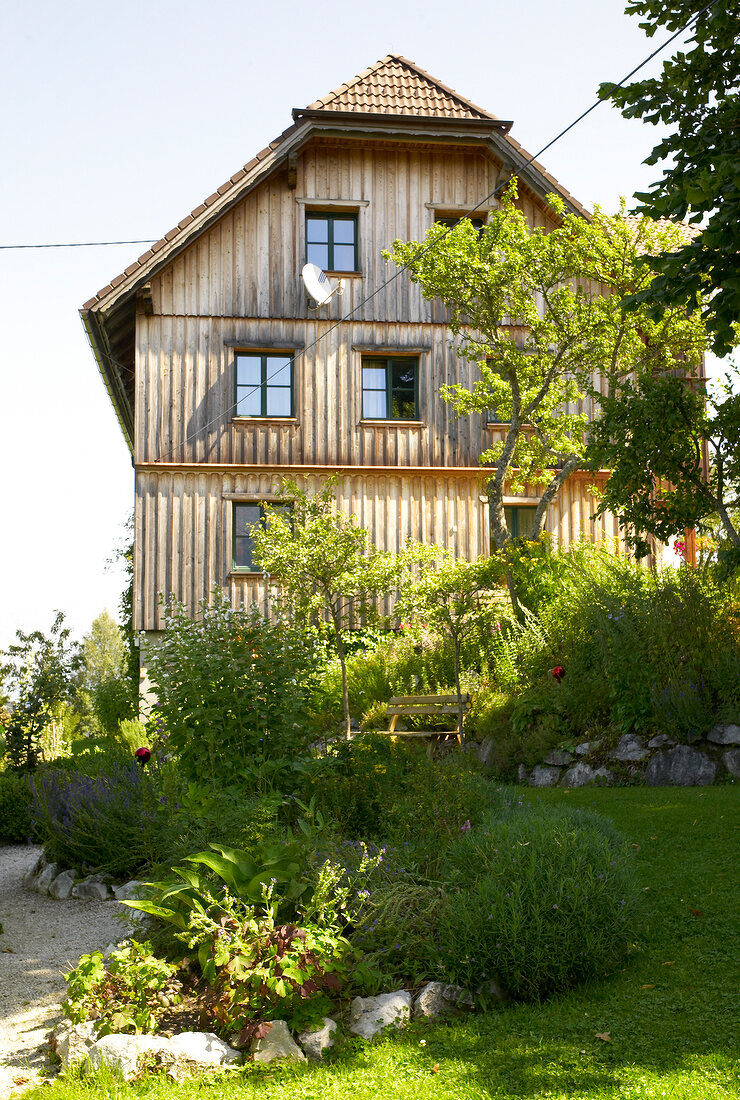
column 317, row 285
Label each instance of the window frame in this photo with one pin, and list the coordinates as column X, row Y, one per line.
column 332, row 216
column 264, row 354
column 366, row 361
column 262, row 507
column 513, row 511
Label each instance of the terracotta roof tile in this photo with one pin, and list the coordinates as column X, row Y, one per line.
column 396, row 86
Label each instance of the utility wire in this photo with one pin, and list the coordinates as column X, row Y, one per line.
column 75, row 244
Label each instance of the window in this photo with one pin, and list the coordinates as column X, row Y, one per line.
column 477, row 223
column 331, row 241
column 264, row 385
column 519, row 518
column 390, row 389
column 244, row 516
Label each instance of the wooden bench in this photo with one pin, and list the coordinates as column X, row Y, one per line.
column 409, row 706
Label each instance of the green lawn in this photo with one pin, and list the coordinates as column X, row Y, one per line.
column 668, row 1025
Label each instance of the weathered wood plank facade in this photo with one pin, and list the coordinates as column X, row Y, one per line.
column 394, row 149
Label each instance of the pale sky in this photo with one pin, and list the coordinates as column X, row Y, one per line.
column 118, row 119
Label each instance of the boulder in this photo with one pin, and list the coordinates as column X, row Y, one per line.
column 440, row 999
column 33, row 871
column 559, row 758
column 133, row 890
column 315, row 1042
column 46, row 877
column 681, row 766
column 203, row 1047
column 72, row 1042
column 61, row 887
column 522, row 773
column 544, row 776
column 724, row 735
column 580, row 775
column 587, row 746
column 484, row 750
column 630, row 748
column 91, row 889
column 277, row 1043
column 371, row 1015
column 731, row 760
column 660, row 741
column 123, row 1053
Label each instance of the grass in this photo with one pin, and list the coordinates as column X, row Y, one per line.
column 664, row 1027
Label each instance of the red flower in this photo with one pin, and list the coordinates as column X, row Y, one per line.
column 557, row 673
column 143, row 756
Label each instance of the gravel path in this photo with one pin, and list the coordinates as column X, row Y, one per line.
column 41, row 938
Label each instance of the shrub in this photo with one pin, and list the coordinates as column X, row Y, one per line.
column 541, row 900
column 228, row 694
column 107, row 822
column 124, row 994
column 16, row 825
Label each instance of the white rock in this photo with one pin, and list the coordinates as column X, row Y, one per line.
column 46, row 877
column 580, row 775
column 731, row 760
column 371, row 1015
column 543, row 776
column 314, row 1043
column 133, row 890
column 558, row 758
column 278, row 1043
column 123, row 1052
column 587, row 746
column 522, row 774
column 724, row 735
column 630, row 748
column 90, row 889
column 203, row 1046
column 34, row 870
column 440, row 999
column 72, row 1042
column 61, row 887
column 660, row 741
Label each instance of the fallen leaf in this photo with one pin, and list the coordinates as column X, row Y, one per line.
column 21, row 1080
column 604, row 1036
column 9, row 951
column 636, row 847
column 696, row 912
column 435, row 1067
column 647, row 986
column 668, row 964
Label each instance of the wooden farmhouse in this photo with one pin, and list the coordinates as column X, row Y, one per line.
column 226, row 377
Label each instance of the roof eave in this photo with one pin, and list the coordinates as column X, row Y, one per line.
column 112, row 381
column 380, row 120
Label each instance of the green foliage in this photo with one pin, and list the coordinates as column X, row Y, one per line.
column 228, row 695
column 540, row 902
column 326, row 568
column 111, row 821
column 16, row 825
column 642, row 652
column 653, row 438
column 257, row 969
column 122, row 994
column 695, row 98
column 244, row 875
column 566, row 288
column 375, row 788
column 38, row 673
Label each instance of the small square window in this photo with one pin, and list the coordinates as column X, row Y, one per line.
column 331, row 241
column 477, row 223
column 244, row 516
column 519, row 519
column 264, row 385
column 390, row 389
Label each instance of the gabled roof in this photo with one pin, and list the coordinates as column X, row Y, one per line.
column 394, row 98
column 396, row 86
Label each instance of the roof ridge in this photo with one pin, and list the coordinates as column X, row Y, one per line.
column 324, row 102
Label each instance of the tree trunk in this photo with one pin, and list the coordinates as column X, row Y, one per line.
column 461, row 736
column 345, row 690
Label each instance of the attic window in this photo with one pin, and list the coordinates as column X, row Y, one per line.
column 331, row 240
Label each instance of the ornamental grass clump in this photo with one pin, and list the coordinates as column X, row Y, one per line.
column 540, row 901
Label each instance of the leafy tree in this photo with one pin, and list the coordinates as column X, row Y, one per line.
column 326, row 568
column 696, row 95
column 38, row 674
column 540, row 313
column 104, row 689
column 453, row 597
column 653, row 439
